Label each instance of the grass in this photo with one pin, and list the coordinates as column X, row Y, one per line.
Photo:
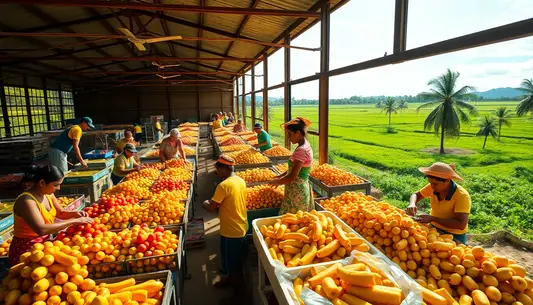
column 359, row 142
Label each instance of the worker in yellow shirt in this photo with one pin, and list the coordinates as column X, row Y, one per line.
column 217, row 123
column 230, row 198
column 66, row 142
column 158, row 130
column 138, row 133
column 124, row 164
column 450, row 203
column 128, row 138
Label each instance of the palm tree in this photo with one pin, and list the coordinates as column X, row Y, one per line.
column 526, row 105
column 487, row 128
column 502, row 115
column 389, row 106
column 451, row 106
column 402, row 104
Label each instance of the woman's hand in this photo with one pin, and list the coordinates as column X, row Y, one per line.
column 424, row 218
column 81, row 214
column 83, row 220
column 411, row 210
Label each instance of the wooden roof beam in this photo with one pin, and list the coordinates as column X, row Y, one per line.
column 239, row 30
column 138, row 58
column 171, row 7
column 74, row 72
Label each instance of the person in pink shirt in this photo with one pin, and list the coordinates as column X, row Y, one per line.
column 298, row 191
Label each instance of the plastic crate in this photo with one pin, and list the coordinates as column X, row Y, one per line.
column 92, row 190
column 261, row 213
column 84, row 179
column 98, row 154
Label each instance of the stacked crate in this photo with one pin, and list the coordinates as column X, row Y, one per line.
column 20, row 152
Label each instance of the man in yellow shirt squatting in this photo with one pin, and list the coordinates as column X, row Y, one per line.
column 450, row 203
column 230, row 198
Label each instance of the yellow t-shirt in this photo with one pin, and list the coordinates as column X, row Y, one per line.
column 217, row 124
column 122, row 163
column 137, row 129
column 458, row 202
column 75, row 132
column 157, row 125
column 231, row 196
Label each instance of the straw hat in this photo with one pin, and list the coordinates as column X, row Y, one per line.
column 441, row 170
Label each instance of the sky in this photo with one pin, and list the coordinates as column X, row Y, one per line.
column 363, row 30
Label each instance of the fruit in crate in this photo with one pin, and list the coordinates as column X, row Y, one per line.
column 6, row 206
column 152, row 154
column 307, row 238
column 187, row 124
column 155, row 165
column 333, row 176
column 177, row 173
column 264, row 196
column 182, row 129
column 250, row 156
column 434, row 260
column 282, row 167
column 169, row 183
column 189, row 140
column 118, row 217
column 278, row 151
column 86, row 230
column 222, row 132
column 4, row 247
column 256, row 175
column 355, row 283
column 189, row 151
column 232, row 141
column 82, row 173
column 237, row 147
column 64, row 201
column 150, row 173
column 189, row 134
column 178, row 163
column 153, row 242
column 223, row 138
column 250, row 137
column 252, row 142
column 245, row 133
column 138, row 188
column 164, row 208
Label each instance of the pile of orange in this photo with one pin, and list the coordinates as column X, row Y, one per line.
column 231, row 141
column 282, row 167
column 169, row 183
column 189, row 151
column 189, row 134
column 334, row 176
column 4, row 247
column 187, row 124
column 185, row 128
column 165, row 208
column 256, row 175
column 177, row 173
column 150, row 173
column 189, row 140
column 178, row 163
column 221, row 139
column 138, row 188
column 277, row 151
column 250, row 137
column 223, row 132
column 250, row 156
column 237, row 147
column 264, row 196
column 153, row 154
column 118, row 217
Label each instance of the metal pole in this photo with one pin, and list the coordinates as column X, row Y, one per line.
column 3, row 102
column 252, row 97
column 287, row 87
column 323, row 103
column 47, row 109
column 28, row 107
column 265, row 92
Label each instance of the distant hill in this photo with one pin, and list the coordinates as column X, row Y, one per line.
column 497, row 93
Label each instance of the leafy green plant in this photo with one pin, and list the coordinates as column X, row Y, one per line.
column 487, row 127
column 526, row 104
column 389, row 106
column 502, row 115
column 449, row 113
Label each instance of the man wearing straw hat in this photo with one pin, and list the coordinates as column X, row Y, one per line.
column 230, row 198
column 450, row 202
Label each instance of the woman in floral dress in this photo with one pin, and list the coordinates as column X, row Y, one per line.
column 298, row 191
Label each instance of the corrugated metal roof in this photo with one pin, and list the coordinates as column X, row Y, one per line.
column 264, row 28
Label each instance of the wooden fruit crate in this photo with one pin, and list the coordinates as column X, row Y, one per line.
column 85, row 179
column 92, row 190
column 335, row 190
column 163, row 276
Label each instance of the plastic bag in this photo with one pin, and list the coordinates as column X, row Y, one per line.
column 409, row 287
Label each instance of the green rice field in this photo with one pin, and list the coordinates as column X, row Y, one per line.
column 499, row 177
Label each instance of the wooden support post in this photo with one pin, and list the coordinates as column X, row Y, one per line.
column 28, row 104
column 252, row 97
column 46, row 107
column 61, row 104
column 287, row 87
column 243, row 101
column 323, row 103
column 3, row 103
column 265, row 92
column 400, row 25
column 237, row 115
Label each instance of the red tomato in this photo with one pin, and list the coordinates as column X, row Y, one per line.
column 150, row 238
column 141, row 248
column 159, row 229
column 70, row 230
column 88, row 235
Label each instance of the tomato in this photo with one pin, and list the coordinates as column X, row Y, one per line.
column 140, row 239
column 150, row 238
column 91, row 230
column 70, row 230
column 141, row 248
column 61, row 235
column 88, row 235
column 159, row 229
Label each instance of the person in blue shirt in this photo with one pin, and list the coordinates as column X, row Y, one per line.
column 68, row 140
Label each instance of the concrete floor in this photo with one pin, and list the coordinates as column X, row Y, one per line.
column 203, row 263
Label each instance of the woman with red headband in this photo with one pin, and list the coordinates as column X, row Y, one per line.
column 298, row 192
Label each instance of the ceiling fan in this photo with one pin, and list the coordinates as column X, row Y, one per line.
column 164, row 66
column 139, row 42
column 167, row 77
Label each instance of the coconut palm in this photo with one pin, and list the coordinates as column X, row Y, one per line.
column 526, row 105
column 487, row 127
column 402, row 104
column 389, row 106
column 451, row 107
column 502, row 115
